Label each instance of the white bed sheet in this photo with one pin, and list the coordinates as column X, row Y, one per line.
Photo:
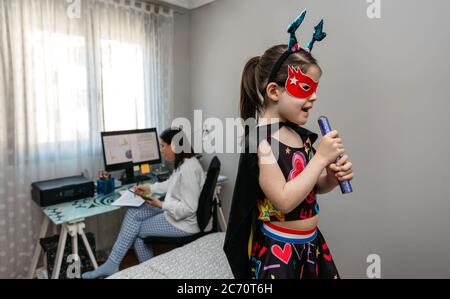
column 201, row 259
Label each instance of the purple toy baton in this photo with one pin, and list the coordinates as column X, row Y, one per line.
column 325, row 128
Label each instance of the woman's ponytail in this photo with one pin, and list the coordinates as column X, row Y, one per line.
column 250, row 102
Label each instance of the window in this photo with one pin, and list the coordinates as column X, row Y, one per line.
column 61, row 85
column 122, row 85
column 60, row 82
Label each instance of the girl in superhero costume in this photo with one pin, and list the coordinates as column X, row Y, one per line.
column 272, row 230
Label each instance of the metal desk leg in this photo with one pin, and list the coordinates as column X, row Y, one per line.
column 38, row 249
column 86, row 244
column 222, row 222
column 72, row 229
column 73, row 232
column 60, row 252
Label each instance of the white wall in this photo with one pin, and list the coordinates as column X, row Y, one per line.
column 384, row 88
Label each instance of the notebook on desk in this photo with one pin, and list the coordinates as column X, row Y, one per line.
column 129, row 198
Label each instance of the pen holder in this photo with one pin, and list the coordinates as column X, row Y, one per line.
column 105, row 186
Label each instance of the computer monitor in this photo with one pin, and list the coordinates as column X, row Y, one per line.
column 126, row 149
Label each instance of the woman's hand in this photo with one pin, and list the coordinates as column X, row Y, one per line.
column 142, row 190
column 154, row 202
column 342, row 170
column 330, row 147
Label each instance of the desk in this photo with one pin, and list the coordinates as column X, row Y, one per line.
column 71, row 216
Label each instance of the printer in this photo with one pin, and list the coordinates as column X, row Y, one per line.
column 51, row 192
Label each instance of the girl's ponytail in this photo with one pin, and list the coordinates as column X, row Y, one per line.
column 250, row 102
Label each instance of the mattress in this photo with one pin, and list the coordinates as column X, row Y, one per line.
column 202, row 259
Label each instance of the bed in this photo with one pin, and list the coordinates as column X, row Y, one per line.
column 201, row 259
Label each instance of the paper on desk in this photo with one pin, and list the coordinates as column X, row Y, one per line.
column 128, row 199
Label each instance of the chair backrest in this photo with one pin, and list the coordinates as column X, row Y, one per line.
column 205, row 202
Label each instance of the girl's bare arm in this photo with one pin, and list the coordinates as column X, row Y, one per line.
column 285, row 196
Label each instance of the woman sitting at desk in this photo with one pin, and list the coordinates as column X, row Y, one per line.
column 174, row 217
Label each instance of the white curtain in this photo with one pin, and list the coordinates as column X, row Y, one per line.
column 69, row 70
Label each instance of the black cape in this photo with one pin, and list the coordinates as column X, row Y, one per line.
column 246, row 192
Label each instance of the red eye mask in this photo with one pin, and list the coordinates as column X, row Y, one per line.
column 300, row 85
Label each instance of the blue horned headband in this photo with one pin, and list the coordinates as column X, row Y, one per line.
column 294, row 45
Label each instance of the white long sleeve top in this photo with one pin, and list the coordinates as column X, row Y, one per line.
column 182, row 191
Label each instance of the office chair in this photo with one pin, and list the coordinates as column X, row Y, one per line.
column 207, row 207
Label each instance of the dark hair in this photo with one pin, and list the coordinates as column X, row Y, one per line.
column 180, row 154
column 256, row 74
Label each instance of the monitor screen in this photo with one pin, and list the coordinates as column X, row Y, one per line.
column 124, row 147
